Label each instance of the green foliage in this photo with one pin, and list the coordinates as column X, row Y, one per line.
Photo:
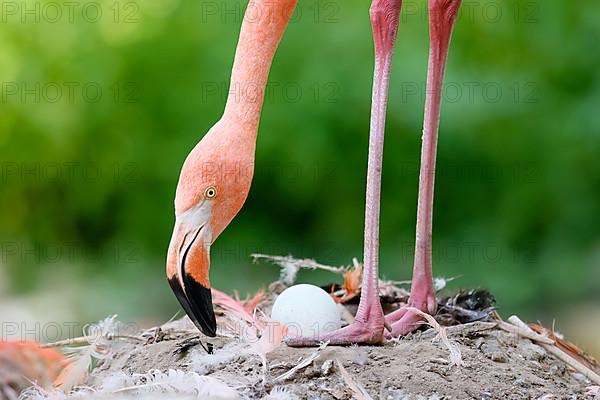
column 518, row 189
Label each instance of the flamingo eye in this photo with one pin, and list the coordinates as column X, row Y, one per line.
column 210, row 192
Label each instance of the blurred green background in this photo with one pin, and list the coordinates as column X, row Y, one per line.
column 101, row 102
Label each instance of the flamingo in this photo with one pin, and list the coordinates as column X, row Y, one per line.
column 216, row 176
column 370, row 323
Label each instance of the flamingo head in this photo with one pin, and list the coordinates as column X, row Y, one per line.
column 213, row 186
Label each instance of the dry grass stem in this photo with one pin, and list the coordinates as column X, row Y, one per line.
column 455, row 354
column 551, row 348
column 357, row 389
column 81, row 341
column 302, row 364
column 518, row 331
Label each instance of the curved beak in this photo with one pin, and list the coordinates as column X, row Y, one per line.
column 188, row 264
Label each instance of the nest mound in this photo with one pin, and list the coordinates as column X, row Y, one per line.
column 467, row 353
column 497, row 364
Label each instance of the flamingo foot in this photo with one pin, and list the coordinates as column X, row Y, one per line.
column 368, row 332
column 403, row 321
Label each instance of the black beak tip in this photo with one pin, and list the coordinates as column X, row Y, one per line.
column 211, row 333
column 208, row 326
column 196, row 300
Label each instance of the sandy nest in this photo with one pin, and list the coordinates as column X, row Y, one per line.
column 497, row 364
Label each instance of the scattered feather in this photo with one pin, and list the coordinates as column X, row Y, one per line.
column 357, row 389
column 271, row 338
column 258, row 336
column 178, row 382
column 202, row 363
column 280, row 393
column 235, row 309
column 251, row 304
column 24, row 363
column 439, row 283
column 352, row 283
column 288, row 273
column 39, row 393
column 172, row 382
column 79, row 359
column 115, row 382
column 302, row 364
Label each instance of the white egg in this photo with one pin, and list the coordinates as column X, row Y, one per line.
column 306, row 310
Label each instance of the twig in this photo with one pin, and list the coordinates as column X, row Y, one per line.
column 529, row 334
column 396, row 283
column 290, row 267
column 299, row 263
column 83, row 340
column 551, row 348
column 462, row 329
column 359, row 391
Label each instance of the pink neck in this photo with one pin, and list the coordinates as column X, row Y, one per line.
column 263, row 26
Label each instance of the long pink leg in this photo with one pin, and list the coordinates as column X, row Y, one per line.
column 369, row 321
column 442, row 17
